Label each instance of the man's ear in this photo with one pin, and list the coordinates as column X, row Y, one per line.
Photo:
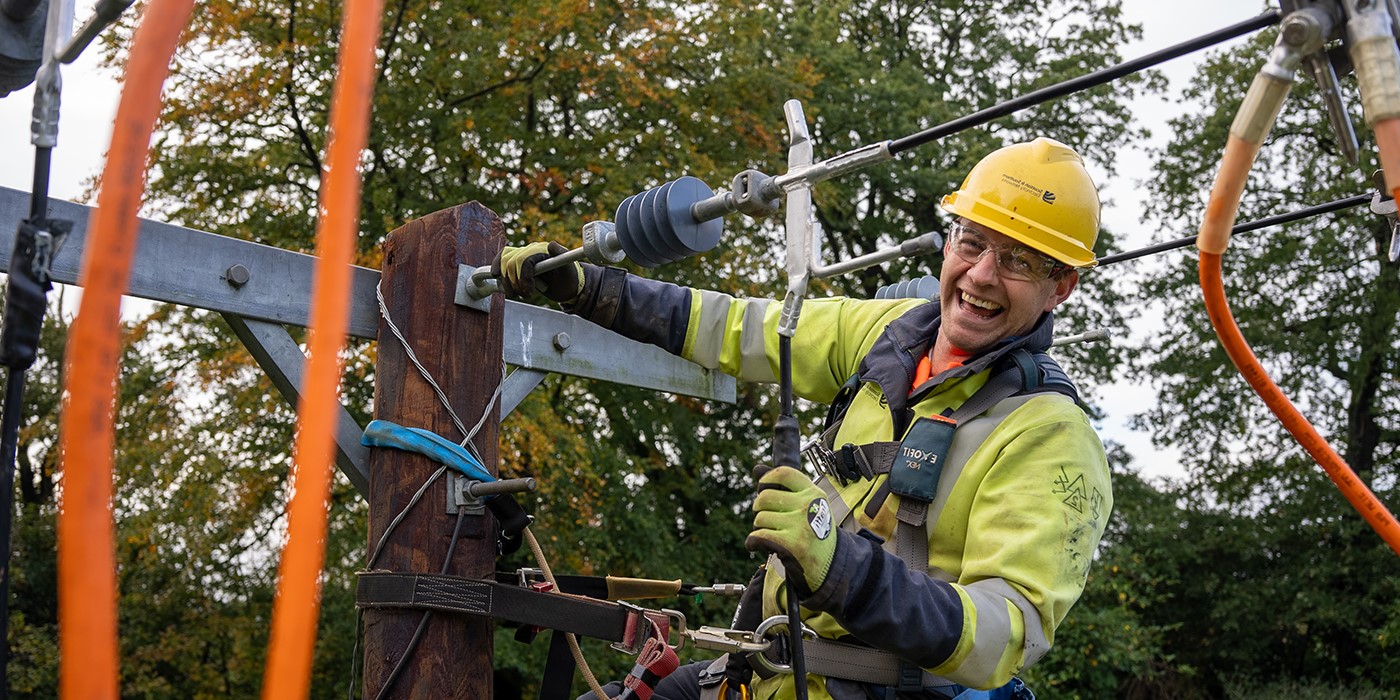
column 1064, row 285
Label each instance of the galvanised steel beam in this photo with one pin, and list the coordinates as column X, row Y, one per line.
column 232, row 276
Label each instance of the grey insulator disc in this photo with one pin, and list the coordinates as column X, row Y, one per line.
column 629, row 230
column 927, row 288
column 663, row 233
column 654, row 239
column 693, row 236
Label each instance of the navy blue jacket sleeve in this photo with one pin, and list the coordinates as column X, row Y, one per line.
column 875, row 597
column 642, row 309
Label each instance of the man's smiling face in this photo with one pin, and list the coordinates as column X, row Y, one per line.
column 981, row 305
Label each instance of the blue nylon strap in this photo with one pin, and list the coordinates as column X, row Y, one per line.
column 383, row 433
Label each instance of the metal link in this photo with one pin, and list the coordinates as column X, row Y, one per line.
column 778, row 625
column 724, row 589
column 728, row 640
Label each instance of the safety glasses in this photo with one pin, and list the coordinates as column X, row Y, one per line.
column 1013, row 261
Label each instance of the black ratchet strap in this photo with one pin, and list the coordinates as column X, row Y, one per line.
column 512, row 603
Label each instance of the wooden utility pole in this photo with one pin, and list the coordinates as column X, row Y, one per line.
column 461, row 349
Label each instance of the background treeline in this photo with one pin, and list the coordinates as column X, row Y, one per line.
column 1248, row 577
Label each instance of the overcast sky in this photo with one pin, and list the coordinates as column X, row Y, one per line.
column 90, row 95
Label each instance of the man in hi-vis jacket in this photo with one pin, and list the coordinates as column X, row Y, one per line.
column 962, row 489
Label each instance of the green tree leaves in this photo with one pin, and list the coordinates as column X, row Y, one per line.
column 1284, row 573
column 551, row 114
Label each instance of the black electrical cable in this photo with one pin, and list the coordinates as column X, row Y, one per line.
column 13, row 406
column 427, row 615
column 39, row 195
column 787, row 452
column 1084, row 82
column 9, row 443
column 1307, row 212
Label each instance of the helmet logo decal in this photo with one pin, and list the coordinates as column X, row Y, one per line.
column 1028, row 188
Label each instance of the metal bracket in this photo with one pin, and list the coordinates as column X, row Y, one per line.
column 459, row 496
column 471, row 294
column 1385, row 206
column 283, row 361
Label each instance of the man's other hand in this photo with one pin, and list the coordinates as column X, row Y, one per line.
column 514, row 269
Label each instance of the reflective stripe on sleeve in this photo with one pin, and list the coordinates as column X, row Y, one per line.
column 705, row 337
column 1033, row 628
column 999, row 632
column 753, row 354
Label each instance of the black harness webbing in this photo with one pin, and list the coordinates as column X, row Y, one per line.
column 590, row 618
column 559, row 668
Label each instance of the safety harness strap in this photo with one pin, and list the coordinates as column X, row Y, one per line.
column 859, row 663
column 559, row 668
column 1024, row 373
column 911, row 534
column 655, row 662
column 590, row 618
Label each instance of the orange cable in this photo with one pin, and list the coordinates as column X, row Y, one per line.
column 1213, row 239
column 1253, row 372
column 297, row 607
column 87, row 579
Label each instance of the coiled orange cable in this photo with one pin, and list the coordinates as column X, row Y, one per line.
column 298, row 603
column 87, row 579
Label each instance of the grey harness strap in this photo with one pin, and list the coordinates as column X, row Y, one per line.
column 976, row 419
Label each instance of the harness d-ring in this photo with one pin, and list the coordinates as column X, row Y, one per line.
column 780, row 624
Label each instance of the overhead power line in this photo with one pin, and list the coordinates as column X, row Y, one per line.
column 1308, row 212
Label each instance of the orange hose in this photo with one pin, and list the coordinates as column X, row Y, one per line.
column 1224, row 202
column 1388, row 143
column 298, row 603
column 1255, row 120
column 87, row 579
column 1352, row 487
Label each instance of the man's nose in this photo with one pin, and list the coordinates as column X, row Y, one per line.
column 984, row 271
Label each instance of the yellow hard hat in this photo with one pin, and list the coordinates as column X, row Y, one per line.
column 1037, row 193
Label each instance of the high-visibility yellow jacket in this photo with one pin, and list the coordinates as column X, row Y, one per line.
column 1018, row 513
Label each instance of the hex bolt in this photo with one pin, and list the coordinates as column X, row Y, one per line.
column 562, row 341
column 236, row 276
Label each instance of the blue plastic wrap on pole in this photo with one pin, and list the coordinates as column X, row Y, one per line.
column 383, row 433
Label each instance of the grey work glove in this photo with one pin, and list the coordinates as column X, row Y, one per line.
column 514, row 269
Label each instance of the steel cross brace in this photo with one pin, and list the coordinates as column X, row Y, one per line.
column 260, row 289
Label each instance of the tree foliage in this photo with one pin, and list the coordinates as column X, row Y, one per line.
column 1283, row 577
column 551, row 113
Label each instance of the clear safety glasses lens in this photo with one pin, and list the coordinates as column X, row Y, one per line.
column 1013, row 261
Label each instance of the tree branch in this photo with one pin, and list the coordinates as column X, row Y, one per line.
column 299, row 127
column 522, row 78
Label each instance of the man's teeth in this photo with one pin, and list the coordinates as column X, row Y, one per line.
column 980, row 303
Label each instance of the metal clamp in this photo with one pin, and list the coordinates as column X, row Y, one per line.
column 460, row 496
column 472, row 292
column 1384, row 205
column 729, row 641
column 528, row 575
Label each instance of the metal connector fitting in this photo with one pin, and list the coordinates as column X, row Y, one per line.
column 747, row 193
column 601, row 245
